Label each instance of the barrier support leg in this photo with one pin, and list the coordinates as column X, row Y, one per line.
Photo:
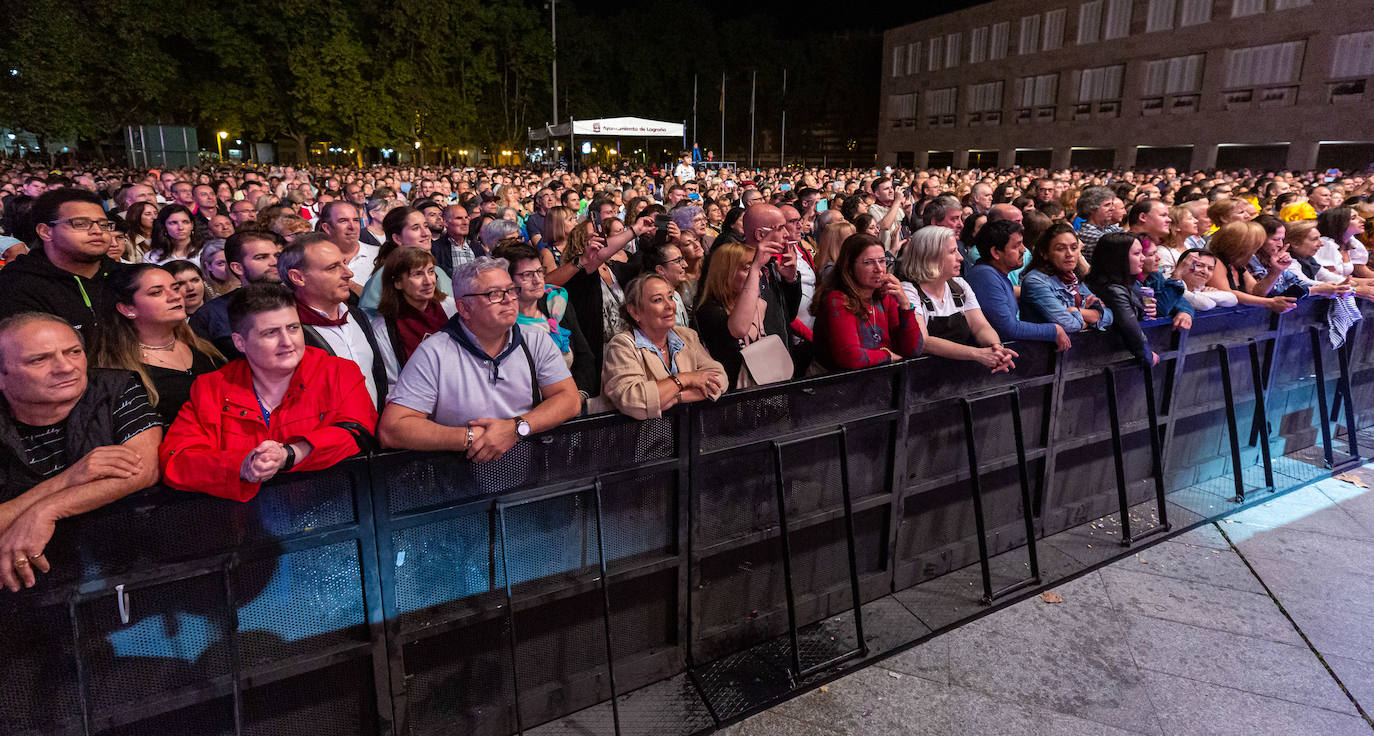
column 1324, row 416
column 1027, row 513
column 1118, row 457
column 1261, row 420
column 798, row 672
column 1350, row 424
column 1232, row 433
column 1156, row 453
column 975, row 487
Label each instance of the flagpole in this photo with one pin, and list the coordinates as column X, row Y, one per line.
column 782, row 151
column 753, row 89
column 722, row 116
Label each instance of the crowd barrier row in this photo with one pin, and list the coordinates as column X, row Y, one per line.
column 688, row 560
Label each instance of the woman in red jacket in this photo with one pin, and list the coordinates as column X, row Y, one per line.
column 282, row 407
column 863, row 317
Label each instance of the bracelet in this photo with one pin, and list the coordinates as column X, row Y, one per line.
column 678, row 381
column 470, row 439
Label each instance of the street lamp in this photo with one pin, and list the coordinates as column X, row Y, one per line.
column 219, row 142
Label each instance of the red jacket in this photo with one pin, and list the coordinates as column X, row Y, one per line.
column 205, row 447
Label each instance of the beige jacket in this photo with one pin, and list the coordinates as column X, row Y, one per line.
column 630, row 375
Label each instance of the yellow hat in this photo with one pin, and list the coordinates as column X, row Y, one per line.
column 1298, row 211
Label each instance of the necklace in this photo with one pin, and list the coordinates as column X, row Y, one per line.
column 168, row 346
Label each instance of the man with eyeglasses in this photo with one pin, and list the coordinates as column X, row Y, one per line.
column 65, row 277
column 482, row 384
column 243, row 214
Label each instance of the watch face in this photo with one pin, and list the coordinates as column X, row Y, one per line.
column 522, row 428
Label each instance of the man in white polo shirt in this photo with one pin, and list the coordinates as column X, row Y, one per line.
column 341, row 222
column 481, row 384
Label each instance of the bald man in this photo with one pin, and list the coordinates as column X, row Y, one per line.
column 1005, row 211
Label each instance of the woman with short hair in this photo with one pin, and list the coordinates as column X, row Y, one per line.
column 656, row 364
column 946, row 306
column 1234, row 244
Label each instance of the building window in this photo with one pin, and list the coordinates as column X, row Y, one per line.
column 1102, row 84
column 896, row 60
column 901, row 110
column 1036, row 97
column 1354, row 55
column 1177, row 76
column 1118, row 19
column 941, row 105
column 998, row 43
column 913, row 57
column 1289, row 4
column 934, row 53
column 978, row 45
column 1053, row 30
column 1242, row 8
column 985, row 103
column 952, row 50
column 1160, row 16
column 1278, row 63
column 1030, row 34
column 1089, row 22
column 1195, row 12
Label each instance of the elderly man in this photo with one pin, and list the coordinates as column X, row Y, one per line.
column 454, row 247
column 1096, row 207
column 284, row 407
column 980, row 198
column 482, row 384
column 72, row 438
column 317, row 274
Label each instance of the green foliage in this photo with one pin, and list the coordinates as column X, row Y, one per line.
column 374, row 73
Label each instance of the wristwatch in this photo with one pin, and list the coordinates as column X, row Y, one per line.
column 290, row 457
column 522, row 427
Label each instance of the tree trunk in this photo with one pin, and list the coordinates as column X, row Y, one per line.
column 301, row 148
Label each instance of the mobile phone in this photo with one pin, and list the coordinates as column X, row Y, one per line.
column 822, row 204
column 693, row 196
column 661, row 223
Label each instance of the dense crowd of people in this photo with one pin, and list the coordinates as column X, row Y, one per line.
column 211, row 329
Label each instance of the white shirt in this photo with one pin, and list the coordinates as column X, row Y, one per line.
column 348, row 341
column 684, row 172
column 943, row 303
column 1329, row 254
column 807, row 276
column 1323, row 275
column 362, row 263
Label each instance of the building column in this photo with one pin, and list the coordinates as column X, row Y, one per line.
column 1006, row 158
column 961, row 158
column 1204, row 156
column 1302, row 155
column 922, row 159
column 1060, row 157
column 1125, row 157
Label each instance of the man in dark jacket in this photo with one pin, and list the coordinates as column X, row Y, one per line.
column 66, row 276
column 71, row 440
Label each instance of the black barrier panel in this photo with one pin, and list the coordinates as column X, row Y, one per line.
column 372, row 598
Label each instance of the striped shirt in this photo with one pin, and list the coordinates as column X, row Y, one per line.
column 45, row 448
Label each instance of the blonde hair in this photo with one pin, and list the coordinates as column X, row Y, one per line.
column 725, row 261
column 1235, row 242
column 828, row 243
column 1296, row 231
column 920, row 260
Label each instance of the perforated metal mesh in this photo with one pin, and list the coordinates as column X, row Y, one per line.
column 338, row 701
column 178, row 634
column 298, row 503
column 312, row 599
column 640, row 515
column 213, row 718
column 783, row 410
column 37, row 668
column 441, row 562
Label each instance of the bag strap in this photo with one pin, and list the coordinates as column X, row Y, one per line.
column 957, row 292
column 367, row 442
column 536, row 395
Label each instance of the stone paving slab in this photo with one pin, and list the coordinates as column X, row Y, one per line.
column 1191, row 636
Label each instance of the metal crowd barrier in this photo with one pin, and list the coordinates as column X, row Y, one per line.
column 666, row 576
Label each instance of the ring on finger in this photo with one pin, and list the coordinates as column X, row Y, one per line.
column 21, row 562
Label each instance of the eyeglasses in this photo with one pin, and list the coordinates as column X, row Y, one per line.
column 498, row 296
column 530, row 275
column 85, row 223
column 885, row 262
column 679, row 260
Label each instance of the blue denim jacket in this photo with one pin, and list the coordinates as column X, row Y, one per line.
column 1045, row 298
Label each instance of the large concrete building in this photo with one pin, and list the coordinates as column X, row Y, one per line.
column 1132, row 83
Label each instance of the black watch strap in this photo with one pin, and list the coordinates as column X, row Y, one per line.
column 290, row 457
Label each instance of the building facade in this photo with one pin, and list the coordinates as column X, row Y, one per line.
column 1132, row 83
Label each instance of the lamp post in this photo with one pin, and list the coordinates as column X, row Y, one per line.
column 219, row 143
